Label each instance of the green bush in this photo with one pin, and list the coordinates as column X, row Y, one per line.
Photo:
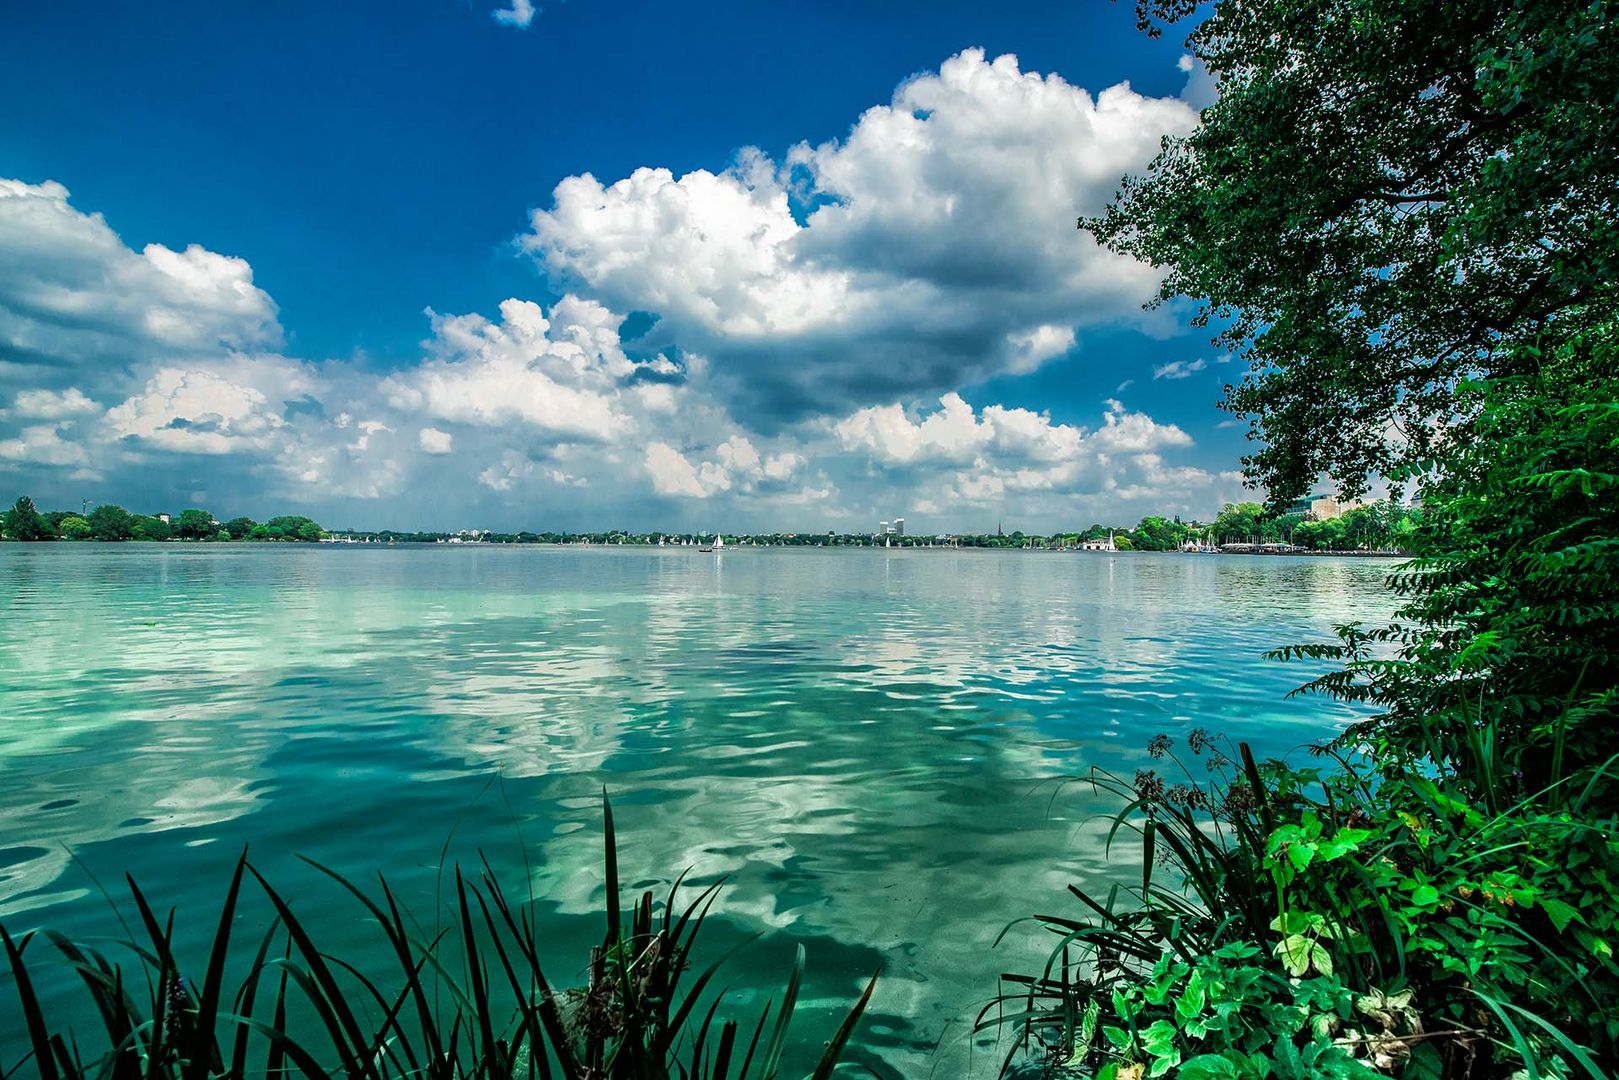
column 1502, row 671
column 1306, row 922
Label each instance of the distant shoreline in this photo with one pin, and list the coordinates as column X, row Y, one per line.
column 733, row 548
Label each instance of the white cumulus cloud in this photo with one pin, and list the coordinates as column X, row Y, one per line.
column 934, row 245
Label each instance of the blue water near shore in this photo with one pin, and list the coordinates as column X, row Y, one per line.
column 865, row 742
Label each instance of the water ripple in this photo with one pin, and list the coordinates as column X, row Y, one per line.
column 863, row 742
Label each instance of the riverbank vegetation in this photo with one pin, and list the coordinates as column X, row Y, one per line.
column 1403, row 215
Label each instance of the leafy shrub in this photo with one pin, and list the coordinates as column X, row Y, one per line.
column 1301, row 922
column 1503, row 673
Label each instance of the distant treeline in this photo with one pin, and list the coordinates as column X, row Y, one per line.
column 108, row 522
column 1375, row 526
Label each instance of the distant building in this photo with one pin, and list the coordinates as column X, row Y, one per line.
column 1098, row 544
column 1323, row 507
column 899, row 526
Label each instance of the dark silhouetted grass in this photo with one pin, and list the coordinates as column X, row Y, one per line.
column 470, row 1002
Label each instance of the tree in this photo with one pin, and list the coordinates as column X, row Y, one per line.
column 22, row 522
column 240, row 527
column 195, row 525
column 73, row 527
column 1158, row 534
column 1387, row 198
column 109, row 522
column 148, row 527
column 288, row 527
column 1239, row 523
column 1504, row 671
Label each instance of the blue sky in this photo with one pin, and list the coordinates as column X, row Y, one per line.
column 631, row 264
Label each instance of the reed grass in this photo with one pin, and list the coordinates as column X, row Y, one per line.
column 470, row 1001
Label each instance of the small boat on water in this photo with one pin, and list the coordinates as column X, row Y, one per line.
column 719, row 544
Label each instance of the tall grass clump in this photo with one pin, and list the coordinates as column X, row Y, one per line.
column 470, row 1001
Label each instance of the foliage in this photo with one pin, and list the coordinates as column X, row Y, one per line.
column 1371, row 929
column 150, row 527
column 22, row 522
column 287, row 527
column 1388, row 197
column 470, row 1001
column 108, row 522
column 113, row 523
column 195, row 524
column 1403, row 215
column 1244, row 522
column 73, row 527
column 1502, row 669
column 1158, row 534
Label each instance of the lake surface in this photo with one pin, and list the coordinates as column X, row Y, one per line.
column 863, row 740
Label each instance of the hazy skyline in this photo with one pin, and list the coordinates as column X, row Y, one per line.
column 449, row 265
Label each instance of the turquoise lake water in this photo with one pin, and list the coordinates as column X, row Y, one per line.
column 863, row 740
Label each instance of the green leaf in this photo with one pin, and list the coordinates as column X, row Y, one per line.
column 1342, row 843
column 1559, row 913
column 1190, row 1003
column 1159, row 1039
column 1208, row 1067
column 1294, row 951
column 1424, row 1063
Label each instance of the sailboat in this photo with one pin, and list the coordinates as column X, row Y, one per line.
column 719, row 544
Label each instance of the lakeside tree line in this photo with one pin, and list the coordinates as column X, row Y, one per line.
column 1379, row 526
column 111, row 523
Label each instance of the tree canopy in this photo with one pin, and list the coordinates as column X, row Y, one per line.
column 1388, row 197
column 23, row 522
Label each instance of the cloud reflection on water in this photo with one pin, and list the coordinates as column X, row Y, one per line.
column 857, row 740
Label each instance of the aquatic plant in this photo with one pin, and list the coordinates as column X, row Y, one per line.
column 470, row 1002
